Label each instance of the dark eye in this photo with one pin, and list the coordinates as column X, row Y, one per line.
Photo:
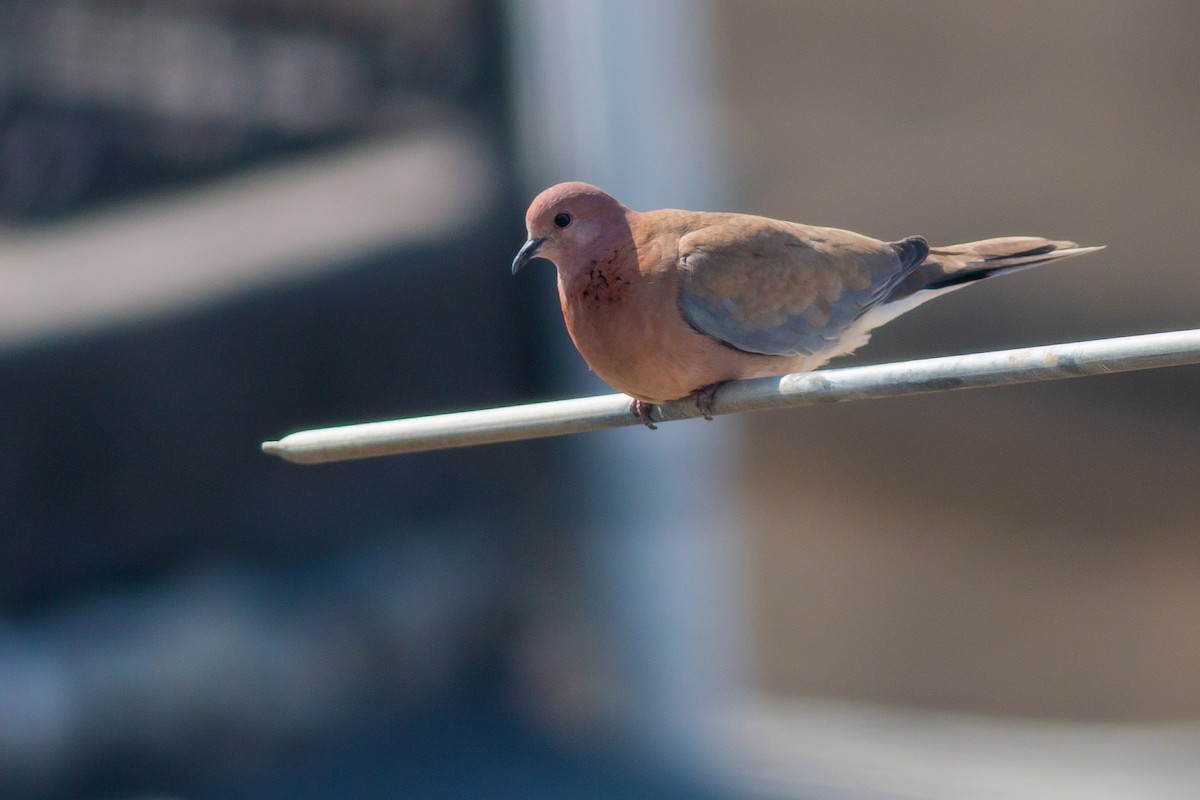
column 562, row 219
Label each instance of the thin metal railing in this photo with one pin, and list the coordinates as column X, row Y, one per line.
column 556, row 418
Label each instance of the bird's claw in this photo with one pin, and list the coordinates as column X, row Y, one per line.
column 703, row 398
column 641, row 409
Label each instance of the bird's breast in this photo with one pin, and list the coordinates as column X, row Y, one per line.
column 601, row 307
column 601, row 283
column 631, row 334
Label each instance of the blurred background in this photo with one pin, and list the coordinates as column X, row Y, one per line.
column 224, row 221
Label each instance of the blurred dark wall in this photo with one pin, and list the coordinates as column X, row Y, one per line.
column 177, row 610
column 150, row 429
column 135, row 451
column 103, row 99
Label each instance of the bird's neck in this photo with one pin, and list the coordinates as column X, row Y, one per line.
column 602, row 280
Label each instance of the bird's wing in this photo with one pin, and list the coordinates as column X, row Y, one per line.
column 781, row 288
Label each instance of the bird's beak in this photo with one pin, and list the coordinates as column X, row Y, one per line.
column 527, row 253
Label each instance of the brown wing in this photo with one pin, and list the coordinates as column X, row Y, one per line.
column 781, row 288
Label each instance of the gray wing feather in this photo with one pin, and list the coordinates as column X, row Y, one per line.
column 785, row 289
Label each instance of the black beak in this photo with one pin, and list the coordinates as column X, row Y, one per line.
column 527, row 253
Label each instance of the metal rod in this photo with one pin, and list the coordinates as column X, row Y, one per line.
column 537, row 420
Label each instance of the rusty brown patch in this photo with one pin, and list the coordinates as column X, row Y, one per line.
column 603, row 282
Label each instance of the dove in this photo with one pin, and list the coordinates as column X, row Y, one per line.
column 669, row 304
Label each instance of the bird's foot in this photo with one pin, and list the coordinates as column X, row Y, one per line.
column 641, row 409
column 703, row 398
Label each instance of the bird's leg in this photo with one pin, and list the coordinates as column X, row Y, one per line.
column 641, row 409
column 703, row 398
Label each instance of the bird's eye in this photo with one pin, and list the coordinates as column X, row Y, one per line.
column 562, row 219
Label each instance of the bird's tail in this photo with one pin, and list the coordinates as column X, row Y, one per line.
column 959, row 264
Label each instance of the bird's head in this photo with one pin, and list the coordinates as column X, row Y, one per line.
column 568, row 221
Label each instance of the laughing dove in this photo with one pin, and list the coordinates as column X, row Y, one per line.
column 667, row 304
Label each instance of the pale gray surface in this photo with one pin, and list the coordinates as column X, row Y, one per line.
column 825, row 750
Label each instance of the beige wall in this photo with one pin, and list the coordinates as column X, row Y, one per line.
column 1033, row 549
